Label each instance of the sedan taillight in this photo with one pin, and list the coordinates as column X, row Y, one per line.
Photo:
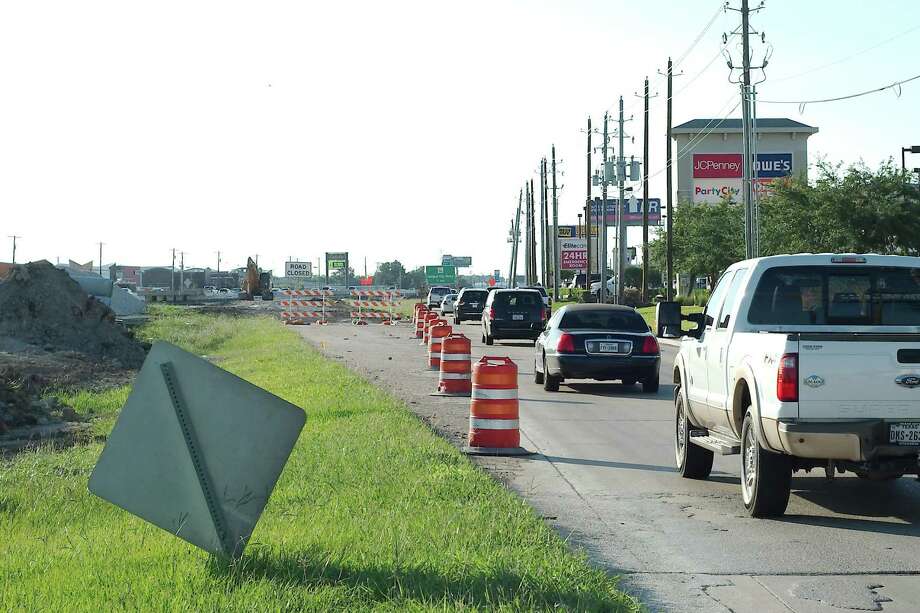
column 650, row 346
column 787, row 378
column 566, row 343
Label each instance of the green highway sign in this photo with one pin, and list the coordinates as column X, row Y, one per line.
column 441, row 275
column 336, row 261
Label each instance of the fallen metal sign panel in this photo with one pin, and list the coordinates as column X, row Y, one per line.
column 196, row 450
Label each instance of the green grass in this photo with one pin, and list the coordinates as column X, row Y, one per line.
column 372, row 512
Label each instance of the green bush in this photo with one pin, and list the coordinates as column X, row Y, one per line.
column 698, row 297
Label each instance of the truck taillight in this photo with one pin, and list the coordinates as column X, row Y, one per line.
column 566, row 343
column 787, row 378
column 491, row 312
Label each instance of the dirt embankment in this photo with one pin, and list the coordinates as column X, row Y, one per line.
column 53, row 335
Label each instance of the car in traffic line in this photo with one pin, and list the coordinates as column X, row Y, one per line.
column 513, row 314
column 447, row 305
column 597, row 341
column 436, row 295
column 469, row 305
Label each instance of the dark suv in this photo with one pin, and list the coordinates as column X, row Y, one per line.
column 470, row 303
column 513, row 313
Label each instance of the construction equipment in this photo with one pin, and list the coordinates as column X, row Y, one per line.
column 256, row 282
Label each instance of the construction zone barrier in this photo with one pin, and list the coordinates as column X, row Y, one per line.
column 419, row 321
column 430, row 318
column 370, row 308
column 439, row 331
column 294, row 311
column 454, row 378
column 494, row 418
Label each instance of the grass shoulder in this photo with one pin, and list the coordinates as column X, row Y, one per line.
column 372, row 512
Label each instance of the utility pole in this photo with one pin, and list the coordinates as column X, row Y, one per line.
column 550, row 235
column 555, row 226
column 100, row 257
column 517, row 240
column 669, row 197
column 533, row 238
column 543, row 232
column 621, row 218
column 14, row 237
column 751, row 217
column 172, row 275
column 181, row 271
column 218, row 261
column 588, row 213
column 645, row 200
column 528, row 227
column 602, row 229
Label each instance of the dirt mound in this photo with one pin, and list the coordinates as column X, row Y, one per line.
column 42, row 305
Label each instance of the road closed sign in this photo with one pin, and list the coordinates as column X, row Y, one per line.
column 298, row 269
column 573, row 254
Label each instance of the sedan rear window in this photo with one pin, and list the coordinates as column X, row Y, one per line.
column 837, row 295
column 603, row 319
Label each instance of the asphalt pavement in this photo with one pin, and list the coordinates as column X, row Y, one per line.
column 603, row 476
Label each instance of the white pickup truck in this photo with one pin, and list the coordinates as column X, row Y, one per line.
column 800, row 362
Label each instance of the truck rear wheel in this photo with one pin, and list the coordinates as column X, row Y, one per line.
column 766, row 477
column 693, row 461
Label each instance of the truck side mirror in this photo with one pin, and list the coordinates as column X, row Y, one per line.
column 700, row 320
column 668, row 317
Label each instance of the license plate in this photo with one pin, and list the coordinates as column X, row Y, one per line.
column 905, row 433
column 608, row 347
column 517, row 317
column 473, row 305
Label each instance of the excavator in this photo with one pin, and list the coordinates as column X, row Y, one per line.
column 256, row 283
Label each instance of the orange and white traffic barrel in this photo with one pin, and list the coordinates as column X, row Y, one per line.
column 416, row 309
column 439, row 331
column 419, row 321
column 454, row 378
column 430, row 318
column 494, row 419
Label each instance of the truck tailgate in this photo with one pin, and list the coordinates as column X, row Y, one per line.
column 859, row 376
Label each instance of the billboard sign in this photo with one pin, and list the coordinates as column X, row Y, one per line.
column 713, row 191
column 336, row 260
column 729, row 165
column 298, row 269
column 566, row 232
column 441, row 275
column 632, row 211
column 573, row 254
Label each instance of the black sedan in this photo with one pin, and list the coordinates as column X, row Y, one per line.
column 597, row 341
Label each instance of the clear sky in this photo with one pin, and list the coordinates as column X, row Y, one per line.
column 400, row 129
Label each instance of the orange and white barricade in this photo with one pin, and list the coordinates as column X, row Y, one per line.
column 419, row 321
column 455, row 371
column 430, row 318
column 308, row 304
column 374, row 304
column 437, row 332
column 494, row 418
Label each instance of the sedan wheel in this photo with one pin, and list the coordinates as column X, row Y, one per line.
column 550, row 382
column 537, row 375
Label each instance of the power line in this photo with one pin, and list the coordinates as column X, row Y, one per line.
column 848, row 57
column 847, row 97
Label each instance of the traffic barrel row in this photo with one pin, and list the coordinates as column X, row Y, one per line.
column 491, row 385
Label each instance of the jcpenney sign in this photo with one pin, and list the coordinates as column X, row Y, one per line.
column 728, row 165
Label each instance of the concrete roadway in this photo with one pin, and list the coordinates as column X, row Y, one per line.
column 603, row 476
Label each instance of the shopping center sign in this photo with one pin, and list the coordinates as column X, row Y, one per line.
column 728, row 165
